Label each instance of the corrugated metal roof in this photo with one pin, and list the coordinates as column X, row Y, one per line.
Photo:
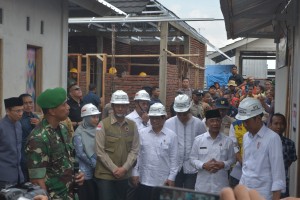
column 130, row 6
column 251, row 18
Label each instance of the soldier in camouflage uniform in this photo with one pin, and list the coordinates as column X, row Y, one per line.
column 49, row 149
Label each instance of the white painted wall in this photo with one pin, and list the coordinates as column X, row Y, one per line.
column 15, row 39
column 255, row 68
column 295, row 99
column 259, row 45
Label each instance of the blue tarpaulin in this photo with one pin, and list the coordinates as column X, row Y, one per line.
column 217, row 73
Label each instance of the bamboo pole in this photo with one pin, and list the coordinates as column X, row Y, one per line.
column 184, row 59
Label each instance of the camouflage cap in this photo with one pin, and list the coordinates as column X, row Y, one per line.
column 52, row 98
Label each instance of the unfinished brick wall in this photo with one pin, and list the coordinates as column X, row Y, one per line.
column 129, row 84
column 197, row 47
column 172, row 85
column 133, row 83
column 82, row 82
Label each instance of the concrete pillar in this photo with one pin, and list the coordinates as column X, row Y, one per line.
column 163, row 62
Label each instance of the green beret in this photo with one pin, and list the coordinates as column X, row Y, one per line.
column 52, row 98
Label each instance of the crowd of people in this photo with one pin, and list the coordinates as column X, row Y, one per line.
column 211, row 140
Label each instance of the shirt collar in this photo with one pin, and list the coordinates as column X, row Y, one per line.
column 163, row 131
column 136, row 115
column 262, row 131
column 6, row 118
column 113, row 120
column 207, row 135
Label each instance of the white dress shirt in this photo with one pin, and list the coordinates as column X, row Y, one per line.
column 157, row 159
column 263, row 167
column 205, row 148
column 186, row 135
column 138, row 120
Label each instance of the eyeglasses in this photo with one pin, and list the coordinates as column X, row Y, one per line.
column 77, row 89
column 18, row 111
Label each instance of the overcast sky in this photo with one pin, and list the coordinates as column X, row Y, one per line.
column 214, row 31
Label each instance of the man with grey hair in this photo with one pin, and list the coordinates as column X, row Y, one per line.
column 186, row 127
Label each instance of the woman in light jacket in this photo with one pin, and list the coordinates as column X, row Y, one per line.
column 84, row 143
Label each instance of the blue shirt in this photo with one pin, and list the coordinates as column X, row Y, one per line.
column 27, row 127
column 10, row 151
column 91, row 97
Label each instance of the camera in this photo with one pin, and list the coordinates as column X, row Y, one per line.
column 24, row 191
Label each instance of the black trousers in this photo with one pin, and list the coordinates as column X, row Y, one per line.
column 88, row 191
column 112, row 189
column 185, row 180
column 132, row 192
column 145, row 192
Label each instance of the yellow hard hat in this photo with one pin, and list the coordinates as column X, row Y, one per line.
column 142, row 74
column 73, row 70
column 112, row 70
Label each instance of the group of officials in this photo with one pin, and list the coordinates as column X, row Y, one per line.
column 125, row 156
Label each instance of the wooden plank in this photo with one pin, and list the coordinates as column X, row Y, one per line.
column 88, row 73
column 98, row 56
column 79, row 63
column 104, row 67
column 163, row 62
column 144, row 65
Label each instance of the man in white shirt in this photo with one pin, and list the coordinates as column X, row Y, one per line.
column 141, row 118
column 140, row 113
column 186, row 127
column 157, row 159
column 263, row 167
column 212, row 155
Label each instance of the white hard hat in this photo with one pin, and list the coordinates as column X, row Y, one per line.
column 119, row 97
column 142, row 95
column 157, row 109
column 248, row 108
column 89, row 109
column 182, row 103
